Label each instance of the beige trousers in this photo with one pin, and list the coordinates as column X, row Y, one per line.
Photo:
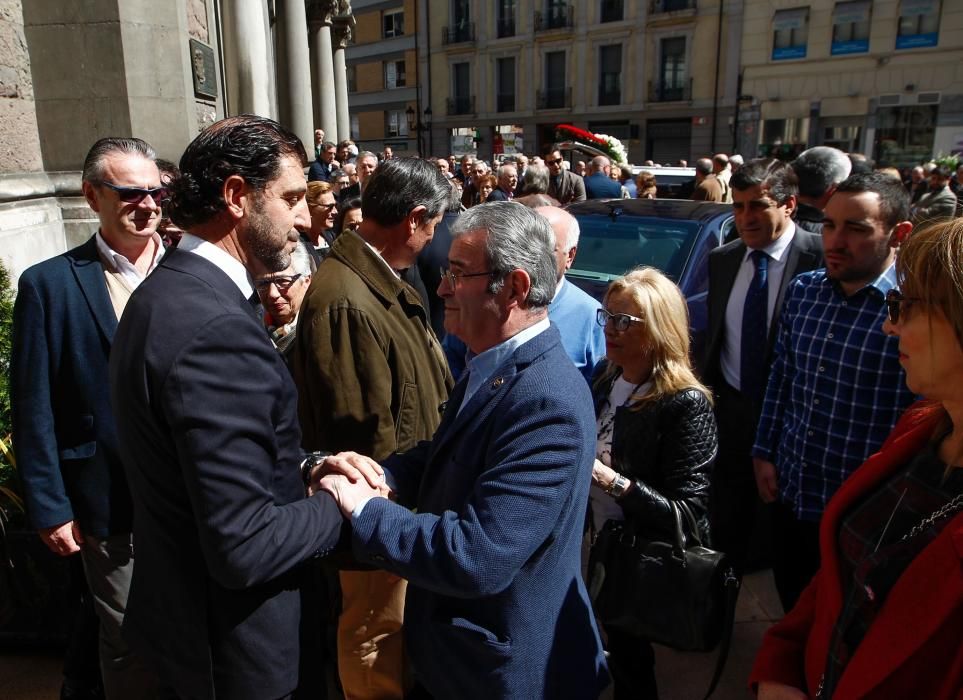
column 371, row 659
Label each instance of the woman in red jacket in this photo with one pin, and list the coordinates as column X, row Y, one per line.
column 883, row 617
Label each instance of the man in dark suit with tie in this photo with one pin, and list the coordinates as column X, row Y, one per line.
column 207, row 420
column 64, row 323
column 747, row 281
column 598, row 184
column 496, row 606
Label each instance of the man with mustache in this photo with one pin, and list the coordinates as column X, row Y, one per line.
column 207, row 420
column 836, row 387
column 64, row 322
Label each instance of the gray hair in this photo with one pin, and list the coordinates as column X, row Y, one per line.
column 572, row 234
column 518, row 239
column 819, row 168
column 703, row 166
column 502, row 169
column 535, row 180
column 366, row 154
column 301, row 260
column 94, row 162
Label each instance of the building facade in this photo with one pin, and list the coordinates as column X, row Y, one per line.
column 71, row 73
column 881, row 78
column 383, row 85
column 660, row 75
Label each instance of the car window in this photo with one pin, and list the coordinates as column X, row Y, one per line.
column 611, row 247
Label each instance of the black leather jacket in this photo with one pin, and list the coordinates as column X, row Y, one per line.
column 667, row 447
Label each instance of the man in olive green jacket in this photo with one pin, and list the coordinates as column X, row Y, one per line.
column 372, row 379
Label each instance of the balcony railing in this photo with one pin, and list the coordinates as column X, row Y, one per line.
column 554, row 98
column 458, row 33
column 659, row 6
column 505, row 102
column 670, row 92
column 557, row 17
column 464, row 104
column 611, row 11
column 505, row 26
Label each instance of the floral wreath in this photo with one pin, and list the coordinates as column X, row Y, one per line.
column 609, row 145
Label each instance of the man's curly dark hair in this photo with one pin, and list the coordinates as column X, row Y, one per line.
column 245, row 145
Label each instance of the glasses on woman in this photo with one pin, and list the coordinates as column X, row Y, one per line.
column 282, row 282
column 897, row 304
column 620, row 322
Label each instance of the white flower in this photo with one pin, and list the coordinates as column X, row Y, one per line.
column 615, row 147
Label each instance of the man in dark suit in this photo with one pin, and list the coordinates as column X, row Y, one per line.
column 598, row 183
column 563, row 185
column 496, row 606
column 323, row 166
column 207, row 420
column 747, row 281
column 64, row 322
column 507, row 182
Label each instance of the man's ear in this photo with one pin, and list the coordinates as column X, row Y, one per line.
column 236, row 193
column 518, row 284
column 570, row 255
column 790, row 204
column 90, row 194
column 901, row 232
column 415, row 218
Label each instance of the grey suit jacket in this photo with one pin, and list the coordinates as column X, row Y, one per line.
column 571, row 188
column 935, row 205
column 805, row 253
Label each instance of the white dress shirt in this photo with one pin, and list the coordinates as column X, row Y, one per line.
column 227, row 263
column 125, row 268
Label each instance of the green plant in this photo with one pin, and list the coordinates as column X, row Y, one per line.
column 950, row 162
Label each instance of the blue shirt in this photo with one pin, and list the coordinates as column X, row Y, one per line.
column 483, row 365
column 835, row 391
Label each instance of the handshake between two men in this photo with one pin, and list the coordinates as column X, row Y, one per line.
column 351, row 478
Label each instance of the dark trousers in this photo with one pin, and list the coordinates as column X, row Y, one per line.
column 795, row 557
column 735, row 509
column 632, row 666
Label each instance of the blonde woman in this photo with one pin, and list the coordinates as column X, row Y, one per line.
column 656, row 435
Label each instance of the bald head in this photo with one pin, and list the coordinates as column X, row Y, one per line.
column 600, row 164
column 566, row 236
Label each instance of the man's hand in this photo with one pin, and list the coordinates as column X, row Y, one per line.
column 767, row 482
column 778, row 691
column 62, row 539
column 348, row 493
column 352, row 465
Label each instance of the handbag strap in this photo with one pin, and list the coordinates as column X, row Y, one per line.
column 732, row 586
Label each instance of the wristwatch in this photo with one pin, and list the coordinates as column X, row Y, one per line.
column 310, row 461
column 618, row 486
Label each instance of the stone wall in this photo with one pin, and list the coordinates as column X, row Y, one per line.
column 19, row 138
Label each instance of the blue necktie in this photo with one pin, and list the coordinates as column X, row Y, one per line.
column 752, row 370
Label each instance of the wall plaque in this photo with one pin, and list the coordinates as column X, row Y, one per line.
column 203, row 69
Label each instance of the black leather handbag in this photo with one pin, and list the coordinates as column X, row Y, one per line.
column 678, row 594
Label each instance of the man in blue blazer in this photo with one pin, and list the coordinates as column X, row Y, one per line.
column 207, row 420
column 598, row 183
column 496, row 607
column 64, row 433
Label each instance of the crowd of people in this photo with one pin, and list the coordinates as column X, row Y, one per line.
column 354, row 432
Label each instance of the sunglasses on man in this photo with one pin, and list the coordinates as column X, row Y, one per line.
column 133, row 195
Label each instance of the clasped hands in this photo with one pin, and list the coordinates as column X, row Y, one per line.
column 350, row 478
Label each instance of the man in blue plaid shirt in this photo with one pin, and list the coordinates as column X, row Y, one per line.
column 836, row 387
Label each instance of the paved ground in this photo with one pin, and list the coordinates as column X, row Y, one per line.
column 36, row 676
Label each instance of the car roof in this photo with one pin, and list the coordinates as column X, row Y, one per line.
column 657, row 208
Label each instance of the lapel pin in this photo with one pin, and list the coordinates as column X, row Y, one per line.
column 497, row 382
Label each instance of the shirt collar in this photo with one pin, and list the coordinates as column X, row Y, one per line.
column 881, row 285
column 227, row 263
column 484, row 364
column 778, row 247
column 117, row 258
column 385, row 262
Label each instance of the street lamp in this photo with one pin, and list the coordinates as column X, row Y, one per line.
column 416, row 125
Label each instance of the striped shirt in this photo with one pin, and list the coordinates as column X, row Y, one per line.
column 835, row 390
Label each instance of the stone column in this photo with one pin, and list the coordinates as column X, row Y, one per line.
column 294, row 78
column 247, row 58
column 319, row 22
column 342, row 35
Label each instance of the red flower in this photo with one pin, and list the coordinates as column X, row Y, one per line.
column 574, row 133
